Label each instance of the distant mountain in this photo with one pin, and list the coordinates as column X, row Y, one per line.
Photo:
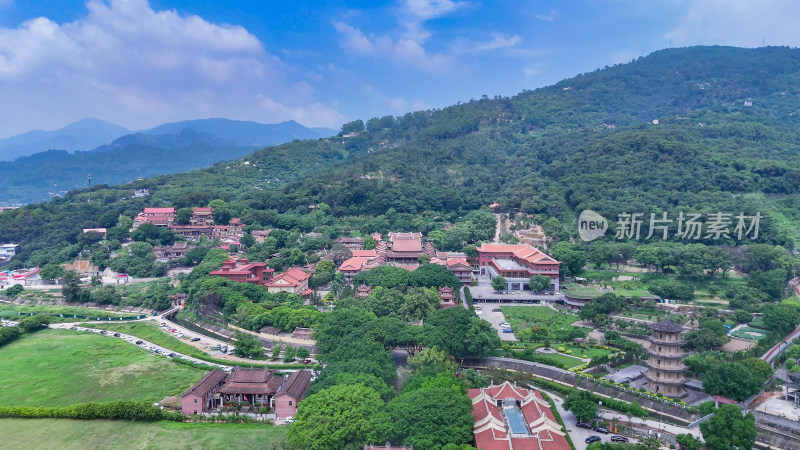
column 84, row 134
column 245, row 133
column 166, row 149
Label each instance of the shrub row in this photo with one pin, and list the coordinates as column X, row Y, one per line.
column 120, row 410
column 633, row 409
column 468, row 297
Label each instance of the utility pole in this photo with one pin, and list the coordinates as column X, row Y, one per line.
column 90, row 188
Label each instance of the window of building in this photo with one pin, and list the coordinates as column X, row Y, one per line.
column 290, row 403
column 195, row 401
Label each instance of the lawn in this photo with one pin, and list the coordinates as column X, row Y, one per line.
column 48, row 434
column 61, row 367
column 11, row 312
column 521, row 317
column 576, row 290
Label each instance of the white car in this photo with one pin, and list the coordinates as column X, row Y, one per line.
column 290, row 420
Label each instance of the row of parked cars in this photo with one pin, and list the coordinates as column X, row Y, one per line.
column 599, row 429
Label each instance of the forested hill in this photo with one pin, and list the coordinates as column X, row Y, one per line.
column 726, row 140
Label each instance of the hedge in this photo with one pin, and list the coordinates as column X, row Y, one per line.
column 119, row 410
column 468, row 297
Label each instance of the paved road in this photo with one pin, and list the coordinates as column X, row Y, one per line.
column 155, row 349
column 494, row 318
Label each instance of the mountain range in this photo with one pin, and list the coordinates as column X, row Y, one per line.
column 699, row 129
column 54, row 162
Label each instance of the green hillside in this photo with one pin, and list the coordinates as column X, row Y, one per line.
column 585, row 142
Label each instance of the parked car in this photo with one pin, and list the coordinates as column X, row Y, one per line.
column 601, row 430
column 593, row 438
column 619, row 439
column 195, row 339
column 584, row 425
column 103, row 332
column 139, row 342
column 73, row 328
column 219, row 346
column 495, row 309
column 290, row 420
column 171, row 355
column 507, row 330
column 478, row 307
column 117, row 335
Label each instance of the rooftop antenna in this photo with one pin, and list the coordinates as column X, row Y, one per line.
column 90, row 188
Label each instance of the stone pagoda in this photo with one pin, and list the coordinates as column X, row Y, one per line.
column 665, row 360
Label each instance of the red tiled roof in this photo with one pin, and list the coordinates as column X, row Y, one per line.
column 201, row 210
column 293, row 277
column 407, row 245
column 365, row 253
column 247, row 388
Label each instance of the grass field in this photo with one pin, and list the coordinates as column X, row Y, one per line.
column 521, row 317
column 576, row 290
column 10, row 312
column 48, row 434
column 61, row 367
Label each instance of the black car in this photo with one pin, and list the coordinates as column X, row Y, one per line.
column 104, row 332
column 619, row 439
column 139, row 342
column 195, row 339
column 73, row 328
column 593, row 438
column 584, row 425
column 601, row 430
column 116, row 334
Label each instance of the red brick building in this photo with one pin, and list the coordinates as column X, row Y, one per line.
column 244, row 272
column 202, row 396
column 202, row 217
column 508, row 417
column 291, row 392
column 517, row 263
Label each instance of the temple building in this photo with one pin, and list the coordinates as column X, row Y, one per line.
column 517, row 263
column 665, row 360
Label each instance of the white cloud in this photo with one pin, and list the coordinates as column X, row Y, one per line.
column 499, row 42
column 404, row 51
column 128, row 63
column 430, row 9
column 549, row 17
column 533, row 70
column 739, row 22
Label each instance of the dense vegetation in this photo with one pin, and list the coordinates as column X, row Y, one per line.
column 585, row 142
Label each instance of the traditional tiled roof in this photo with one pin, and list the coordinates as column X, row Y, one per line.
column 205, row 384
column 201, row 210
column 491, row 430
column 364, row 253
column 245, row 375
column 297, row 385
column 666, row 326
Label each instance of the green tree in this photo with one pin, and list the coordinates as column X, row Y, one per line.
column 70, row 286
column 572, row 258
column 369, row 243
column 499, row 284
column 729, row 429
column 781, row 317
column 732, row 380
column 689, row 442
column 432, row 361
column 431, row 418
column 703, row 339
column 350, row 379
column 13, row 291
column 183, row 215
column 51, row 272
column 539, row 283
column 247, row 344
column 339, row 416
column 581, row 404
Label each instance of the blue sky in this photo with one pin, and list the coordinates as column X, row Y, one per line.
column 140, row 63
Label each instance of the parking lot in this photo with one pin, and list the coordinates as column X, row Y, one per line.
column 494, row 318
